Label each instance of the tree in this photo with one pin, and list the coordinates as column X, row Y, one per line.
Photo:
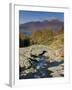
column 24, row 40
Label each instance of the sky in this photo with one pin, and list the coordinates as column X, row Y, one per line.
column 32, row 16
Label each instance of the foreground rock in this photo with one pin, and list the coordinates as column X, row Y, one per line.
column 57, row 71
column 54, row 59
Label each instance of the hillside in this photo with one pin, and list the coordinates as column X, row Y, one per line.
column 41, row 52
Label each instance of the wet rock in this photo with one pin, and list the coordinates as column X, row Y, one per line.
column 57, row 71
column 49, row 68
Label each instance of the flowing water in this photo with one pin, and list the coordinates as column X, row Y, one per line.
column 41, row 67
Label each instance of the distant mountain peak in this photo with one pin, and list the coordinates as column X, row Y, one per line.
column 54, row 24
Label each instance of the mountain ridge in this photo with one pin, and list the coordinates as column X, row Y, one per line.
column 54, row 24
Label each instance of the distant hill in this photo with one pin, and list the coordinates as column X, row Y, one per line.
column 54, row 25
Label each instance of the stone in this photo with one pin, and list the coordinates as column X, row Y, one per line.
column 51, row 55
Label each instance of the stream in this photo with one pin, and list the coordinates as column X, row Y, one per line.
column 41, row 67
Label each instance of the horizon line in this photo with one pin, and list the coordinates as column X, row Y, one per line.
column 42, row 21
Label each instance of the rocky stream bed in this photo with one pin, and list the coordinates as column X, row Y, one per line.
column 39, row 61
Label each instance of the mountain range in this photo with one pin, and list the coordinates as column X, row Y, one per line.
column 28, row 27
